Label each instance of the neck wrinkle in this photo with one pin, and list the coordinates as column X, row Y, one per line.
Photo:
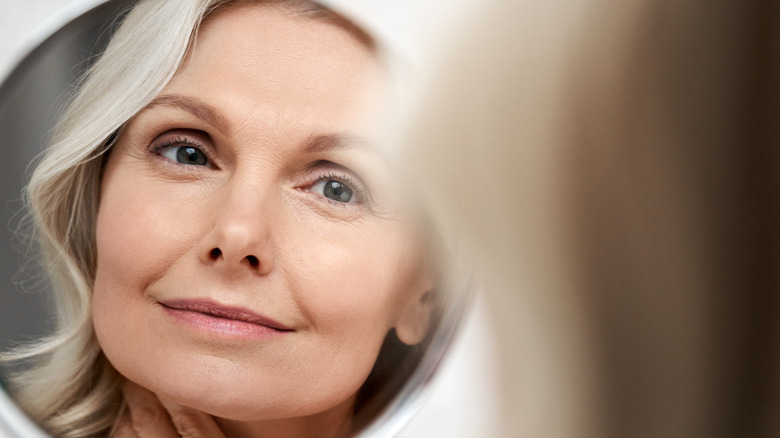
column 333, row 423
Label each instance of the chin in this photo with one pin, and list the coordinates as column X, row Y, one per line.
column 240, row 408
column 225, row 394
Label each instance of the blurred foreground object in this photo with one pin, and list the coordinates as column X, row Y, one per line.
column 614, row 166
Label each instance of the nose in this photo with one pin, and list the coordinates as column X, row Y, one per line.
column 240, row 237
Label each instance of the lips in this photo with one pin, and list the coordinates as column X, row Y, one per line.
column 210, row 315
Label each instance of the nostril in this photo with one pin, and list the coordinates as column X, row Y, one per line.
column 215, row 253
column 253, row 262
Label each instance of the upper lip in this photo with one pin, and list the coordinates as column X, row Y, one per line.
column 209, row 307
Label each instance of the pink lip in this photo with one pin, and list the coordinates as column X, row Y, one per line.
column 214, row 317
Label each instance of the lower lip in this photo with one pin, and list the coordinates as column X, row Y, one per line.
column 230, row 328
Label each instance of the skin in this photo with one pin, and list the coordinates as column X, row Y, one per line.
column 252, row 227
column 145, row 416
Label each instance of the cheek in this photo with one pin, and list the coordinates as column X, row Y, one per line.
column 136, row 241
column 353, row 294
column 140, row 230
column 361, row 280
column 122, row 246
column 122, row 242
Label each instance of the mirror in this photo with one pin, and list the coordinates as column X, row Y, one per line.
column 31, row 100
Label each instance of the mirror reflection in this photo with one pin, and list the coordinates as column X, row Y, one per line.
column 227, row 245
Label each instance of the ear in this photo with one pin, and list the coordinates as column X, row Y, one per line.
column 415, row 320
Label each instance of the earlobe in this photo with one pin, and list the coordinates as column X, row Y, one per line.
column 415, row 320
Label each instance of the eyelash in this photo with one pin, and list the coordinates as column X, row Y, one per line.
column 180, row 141
column 358, row 189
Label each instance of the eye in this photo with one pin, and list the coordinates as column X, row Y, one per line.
column 189, row 155
column 182, row 147
column 333, row 190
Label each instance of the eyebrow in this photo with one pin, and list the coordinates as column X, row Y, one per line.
column 194, row 106
column 330, row 142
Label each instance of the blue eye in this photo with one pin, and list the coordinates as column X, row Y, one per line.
column 333, row 190
column 189, row 155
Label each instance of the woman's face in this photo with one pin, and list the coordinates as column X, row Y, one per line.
column 252, row 254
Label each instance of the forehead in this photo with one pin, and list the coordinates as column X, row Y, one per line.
column 279, row 37
column 257, row 54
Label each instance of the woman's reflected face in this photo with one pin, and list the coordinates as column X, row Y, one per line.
column 251, row 251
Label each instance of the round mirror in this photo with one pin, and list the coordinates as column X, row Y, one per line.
column 199, row 144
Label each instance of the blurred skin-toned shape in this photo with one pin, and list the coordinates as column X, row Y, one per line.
column 614, row 168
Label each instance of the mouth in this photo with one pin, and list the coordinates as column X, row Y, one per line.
column 212, row 316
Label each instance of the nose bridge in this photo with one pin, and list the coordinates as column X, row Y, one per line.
column 242, row 227
column 244, row 197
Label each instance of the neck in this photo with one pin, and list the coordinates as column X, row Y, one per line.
column 334, row 423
